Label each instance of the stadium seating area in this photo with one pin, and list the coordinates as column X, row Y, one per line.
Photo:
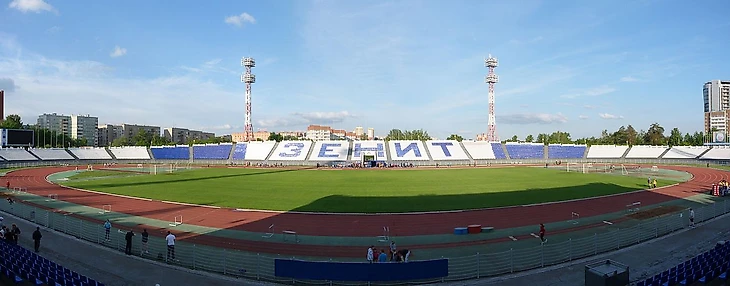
column 330, row 151
column 525, row 150
column 21, row 265
column 704, row 268
column 257, row 151
column 446, row 150
column 91, row 153
column 239, row 151
column 479, row 150
column 171, row 152
column 291, row 151
column 606, row 151
column 685, row 152
column 646, row 152
column 407, row 150
column 16, row 155
column 130, row 153
column 498, row 151
column 717, row 153
column 566, row 151
column 212, row 152
column 52, row 154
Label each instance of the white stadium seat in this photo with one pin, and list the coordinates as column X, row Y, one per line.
column 91, row 153
column 290, row 151
column 717, row 153
column 606, row 151
column 52, row 154
column 330, row 151
column 646, row 152
column 257, row 151
column 19, row 154
column 446, row 150
column 368, row 146
column 685, row 152
column 479, row 150
column 407, row 150
column 130, row 153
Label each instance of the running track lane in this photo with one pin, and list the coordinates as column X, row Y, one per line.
column 363, row 225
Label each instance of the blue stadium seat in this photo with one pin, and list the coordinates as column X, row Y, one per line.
column 171, row 153
column 525, row 151
column 558, row 151
column 498, row 151
column 212, row 152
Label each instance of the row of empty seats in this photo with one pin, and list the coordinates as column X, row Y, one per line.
column 704, row 268
column 566, row 151
column 212, row 151
column 646, row 152
column 130, row 153
column 525, row 150
column 52, row 154
column 90, row 153
column 21, row 265
column 171, row 152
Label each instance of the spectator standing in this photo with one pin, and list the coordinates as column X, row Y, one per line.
column 16, row 234
column 37, row 238
column 370, row 254
column 128, row 238
column 145, row 238
column 170, row 238
column 691, row 218
column 107, row 229
column 382, row 257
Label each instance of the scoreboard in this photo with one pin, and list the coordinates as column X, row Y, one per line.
column 17, row 137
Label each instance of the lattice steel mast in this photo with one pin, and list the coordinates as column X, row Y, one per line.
column 491, row 79
column 248, row 78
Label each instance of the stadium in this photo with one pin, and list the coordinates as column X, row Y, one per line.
column 264, row 207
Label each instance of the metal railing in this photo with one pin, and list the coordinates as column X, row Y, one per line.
column 260, row 266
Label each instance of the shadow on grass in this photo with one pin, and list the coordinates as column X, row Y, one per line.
column 438, row 202
column 182, row 180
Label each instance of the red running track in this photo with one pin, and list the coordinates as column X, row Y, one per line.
column 344, row 225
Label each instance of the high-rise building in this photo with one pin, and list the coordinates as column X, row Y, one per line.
column 716, row 96
column 359, row 131
column 371, row 133
column 85, row 127
column 55, row 123
column 108, row 133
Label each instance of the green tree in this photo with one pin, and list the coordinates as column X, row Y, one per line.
column 631, row 134
column 275, row 137
column 397, row 134
column 655, row 135
column 121, row 141
column 364, row 137
column 158, row 140
column 292, row 137
column 12, row 121
column 455, row 137
column 529, row 138
column 675, row 137
column 514, row 138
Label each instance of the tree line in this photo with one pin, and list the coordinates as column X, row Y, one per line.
column 625, row 135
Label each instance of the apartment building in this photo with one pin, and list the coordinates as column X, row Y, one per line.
column 716, row 97
column 185, row 136
column 109, row 132
column 57, row 123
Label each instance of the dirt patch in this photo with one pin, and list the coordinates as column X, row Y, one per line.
column 655, row 212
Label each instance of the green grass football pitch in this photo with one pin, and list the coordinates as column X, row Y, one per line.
column 362, row 191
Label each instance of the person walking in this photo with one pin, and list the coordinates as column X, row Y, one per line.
column 543, row 240
column 128, row 237
column 16, row 234
column 145, row 238
column 691, row 218
column 37, row 238
column 107, row 229
column 170, row 238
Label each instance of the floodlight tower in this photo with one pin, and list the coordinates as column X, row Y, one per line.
column 491, row 79
column 248, row 78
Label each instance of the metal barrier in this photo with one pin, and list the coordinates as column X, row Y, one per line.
column 261, row 266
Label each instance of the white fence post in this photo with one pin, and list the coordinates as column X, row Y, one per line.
column 478, row 265
column 595, row 243
column 224, row 261
column 570, row 249
column 511, row 261
column 195, row 254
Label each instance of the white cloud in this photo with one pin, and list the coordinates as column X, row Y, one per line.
column 588, row 106
column 239, row 20
column 36, row 6
column 532, row 118
column 610, row 116
column 118, row 52
column 582, row 117
column 596, row 91
column 629, row 79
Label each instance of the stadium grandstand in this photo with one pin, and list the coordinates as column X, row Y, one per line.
column 431, row 152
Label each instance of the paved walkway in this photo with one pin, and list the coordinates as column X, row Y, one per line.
column 644, row 260
column 111, row 267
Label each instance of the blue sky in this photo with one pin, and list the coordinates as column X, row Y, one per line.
column 575, row 66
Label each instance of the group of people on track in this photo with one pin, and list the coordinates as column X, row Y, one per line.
column 393, row 254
